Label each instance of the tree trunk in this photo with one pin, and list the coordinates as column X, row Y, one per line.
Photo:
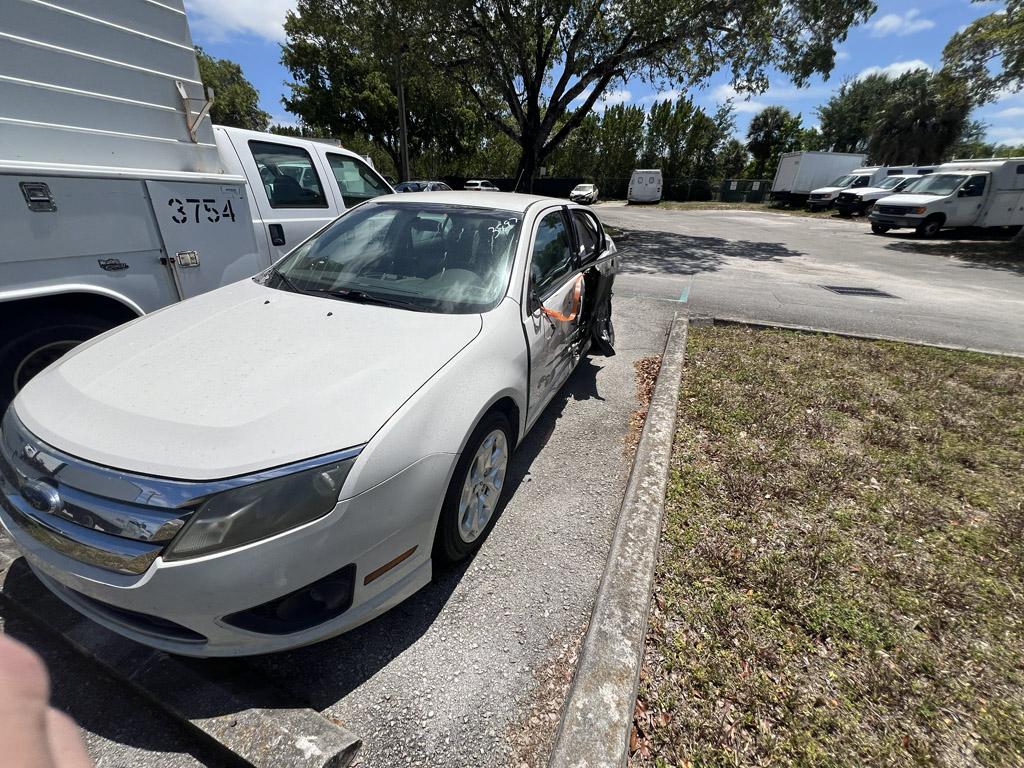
column 529, row 162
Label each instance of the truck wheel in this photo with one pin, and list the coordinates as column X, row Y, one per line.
column 846, row 213
column 930, row 228
column 879, row 229
column 29, row 346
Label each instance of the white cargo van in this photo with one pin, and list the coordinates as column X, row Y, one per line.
column 117, row 196
column 860, row 199
column 644, row 186
column 964, row 193
column 800, row 172
column 871, row 176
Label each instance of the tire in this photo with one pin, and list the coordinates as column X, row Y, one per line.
column 847, row 214
column 460, row 532
column 930, row 228
column 28, row 346
column 879, row 229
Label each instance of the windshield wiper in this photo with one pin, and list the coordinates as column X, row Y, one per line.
column 286, row 280
column 361, row 297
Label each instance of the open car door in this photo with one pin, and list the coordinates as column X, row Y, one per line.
column 599, row 260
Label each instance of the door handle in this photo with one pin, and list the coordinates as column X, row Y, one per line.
column 276, row 234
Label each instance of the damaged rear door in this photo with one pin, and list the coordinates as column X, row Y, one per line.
column 599, row 262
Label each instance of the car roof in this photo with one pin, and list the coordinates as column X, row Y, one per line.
column 506, row 201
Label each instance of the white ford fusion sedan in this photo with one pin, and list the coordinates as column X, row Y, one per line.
column 282, row 459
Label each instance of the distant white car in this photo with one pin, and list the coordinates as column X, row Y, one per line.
column 285, row 458
column 585, row 194
column 478, row 185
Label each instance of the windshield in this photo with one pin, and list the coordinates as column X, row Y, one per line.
column 583, row 187
column 892, row 182
column 938, row 184
column 843, row 181
column 426, row 257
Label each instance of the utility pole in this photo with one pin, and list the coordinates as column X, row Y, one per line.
column 403, row 130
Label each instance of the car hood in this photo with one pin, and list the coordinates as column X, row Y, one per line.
column 237, row 380
column 869, row 191
column 913, row 200
column 827, row 190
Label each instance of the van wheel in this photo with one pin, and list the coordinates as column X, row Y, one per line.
column 30, row 347
column 879, row 229
column 476, row 490
column 847, row 214
column 930, row 228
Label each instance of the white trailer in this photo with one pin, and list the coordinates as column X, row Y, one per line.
column 644, row 186
column 113, row 197
column 801, row 172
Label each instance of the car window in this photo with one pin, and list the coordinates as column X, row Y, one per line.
column 356, row 180
column 587, row 234
column 288, row 175
column 552, row 253
column 975, row 187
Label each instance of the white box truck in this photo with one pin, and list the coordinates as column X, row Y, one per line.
column 116, row 196
column 963, row 193
column 869, row 176
column 800, row 172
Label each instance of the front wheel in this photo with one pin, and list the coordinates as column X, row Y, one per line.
column 29, row 346
column 879, row 229
column 475, row 491
column 929, row 228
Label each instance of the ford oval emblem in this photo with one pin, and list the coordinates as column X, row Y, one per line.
column 42, row 496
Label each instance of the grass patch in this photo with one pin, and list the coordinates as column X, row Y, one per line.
column 712, row 205
column 841, row 574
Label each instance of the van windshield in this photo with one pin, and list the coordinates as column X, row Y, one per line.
column 428, row 257
column 892, row 182
column 844, row 181
column 939, row 184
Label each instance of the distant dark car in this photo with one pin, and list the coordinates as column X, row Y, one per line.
column 423, row 186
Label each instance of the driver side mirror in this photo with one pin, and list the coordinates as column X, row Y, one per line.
column 961, row 193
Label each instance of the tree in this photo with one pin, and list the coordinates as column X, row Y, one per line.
column 236, row 102
column 345, row 58
column 772, row 131
column 536, row 68
column 621, row 139
column 731, row 159
column 849, row 118
column 811, row 140
column 577, row 154
column 989, row 53
column 921, row 121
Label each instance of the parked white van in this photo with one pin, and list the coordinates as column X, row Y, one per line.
column 296, row 185
column 964, row 193
column 869, row 176
column 859, row 200
column 645, row 186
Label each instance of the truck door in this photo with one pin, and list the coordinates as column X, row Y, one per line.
column 357, row 182
column 552, row 317
column 288, row 187
column 967, row 205
column 207, row 234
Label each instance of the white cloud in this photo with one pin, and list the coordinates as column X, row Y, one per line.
column 842, row 56
column 670, row 95
column 895, row 69
column 611, row 98
column 1010, row 112
column 215, row 20
column 1008, row 134
column 895, row 24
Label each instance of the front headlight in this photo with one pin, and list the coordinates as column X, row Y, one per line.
column 252, row 512
column 921, row 211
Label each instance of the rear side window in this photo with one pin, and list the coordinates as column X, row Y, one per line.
column 587, row 234
column 357, row 181
column 552, row 253
column 288, row 175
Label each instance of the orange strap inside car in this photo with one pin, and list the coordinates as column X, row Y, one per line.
column 577, row 296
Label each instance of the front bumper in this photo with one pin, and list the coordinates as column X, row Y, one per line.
column 895, row 222
column 194, row 596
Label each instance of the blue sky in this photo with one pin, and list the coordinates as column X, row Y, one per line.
column 902, row 35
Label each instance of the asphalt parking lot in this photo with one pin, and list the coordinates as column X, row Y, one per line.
column 771, row 267
column 471, row 670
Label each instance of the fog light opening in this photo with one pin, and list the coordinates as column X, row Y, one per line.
column 314, row 604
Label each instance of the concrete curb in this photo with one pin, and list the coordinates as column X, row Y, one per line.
column 598, row 715
column 266, row 736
